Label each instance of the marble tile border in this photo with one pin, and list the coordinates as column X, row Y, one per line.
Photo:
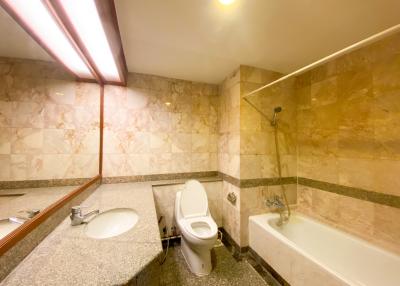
column 43, row 183
column 182, row 181
column 209, row 176
column 158, row 177
column 251, row 183
column 357, row 193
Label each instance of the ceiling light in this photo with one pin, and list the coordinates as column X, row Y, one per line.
column 37, row 20
column 226, row 2
column 84, row 18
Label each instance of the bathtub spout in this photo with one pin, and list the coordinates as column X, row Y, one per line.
column 276, row 203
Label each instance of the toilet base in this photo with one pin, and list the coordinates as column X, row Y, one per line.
column 199, row 261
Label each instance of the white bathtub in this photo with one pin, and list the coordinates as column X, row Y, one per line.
column 307, row 252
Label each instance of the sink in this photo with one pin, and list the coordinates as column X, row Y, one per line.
column 111, row 223
column 7, row 226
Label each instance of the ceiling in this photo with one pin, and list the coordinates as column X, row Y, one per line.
column 201, row 40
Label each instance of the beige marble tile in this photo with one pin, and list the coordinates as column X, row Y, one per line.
column 160, row 163
column 87, row 94
column 386, row 73
column 324, row 92
column 357, row 215
column 181, row 142
column 200, row 143
column 181, row 163
column 304, row 199
column 26, row 141
column 5, row 170
column 160, row 121
column 58, row 141
column 116, row 165
column 324, row 204
column 357, row 173
column 19, row 166
column 160, row 143
column 181, row 122
column 250, row 167
column 5, row 142
column 137, row 98
column 59, row 116
column 387, row 225
column 386, row 178
column 5, row 113
column 60, row 92
column 27, row 115
column 200, row 162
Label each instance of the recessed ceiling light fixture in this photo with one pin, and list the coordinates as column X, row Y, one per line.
column 226, row 2
column 82, row 19
column 35, row 17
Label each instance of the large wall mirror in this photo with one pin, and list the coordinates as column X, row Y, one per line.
column 49, row 129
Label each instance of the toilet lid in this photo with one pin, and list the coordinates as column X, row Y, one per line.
column 193, row 199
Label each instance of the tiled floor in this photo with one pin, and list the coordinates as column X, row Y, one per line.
column 227, row 270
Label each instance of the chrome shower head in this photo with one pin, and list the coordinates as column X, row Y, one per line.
column 276, row 111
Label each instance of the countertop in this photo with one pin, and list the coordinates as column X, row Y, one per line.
column 68, row 257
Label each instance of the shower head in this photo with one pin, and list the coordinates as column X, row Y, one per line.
column 276, row 110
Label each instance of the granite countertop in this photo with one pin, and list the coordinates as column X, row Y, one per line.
column 68, row 257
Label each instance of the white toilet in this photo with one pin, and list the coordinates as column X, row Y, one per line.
column 198, row 229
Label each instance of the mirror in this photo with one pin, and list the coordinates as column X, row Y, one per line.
column 49, row 128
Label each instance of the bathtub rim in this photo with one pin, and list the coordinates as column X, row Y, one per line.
column 274, row 232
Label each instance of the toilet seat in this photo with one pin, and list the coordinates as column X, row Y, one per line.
column 200, row 227
column 193, row 200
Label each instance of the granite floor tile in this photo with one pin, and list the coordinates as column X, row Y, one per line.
column 226, row 271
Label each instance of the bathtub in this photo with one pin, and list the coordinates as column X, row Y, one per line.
column 307, row 252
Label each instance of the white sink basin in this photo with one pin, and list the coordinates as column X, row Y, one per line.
column 111, row 223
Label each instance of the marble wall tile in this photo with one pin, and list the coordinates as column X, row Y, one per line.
column 386, row 226
column 26, row 141
column 347, row 126
column 5, row 143
column 52, row 122
column 172, row 123
column 5, row 163
column 160, row 163
column 5, row 113
column 182, row 142
column 231, row 218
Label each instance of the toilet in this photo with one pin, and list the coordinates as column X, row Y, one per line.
column 199, row 230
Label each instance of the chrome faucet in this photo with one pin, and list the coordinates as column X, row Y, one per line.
column 78, row 218
column 276, row 203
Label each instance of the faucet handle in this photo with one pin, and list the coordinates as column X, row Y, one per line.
column 76, row 210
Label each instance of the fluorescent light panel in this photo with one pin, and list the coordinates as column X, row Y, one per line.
column 85, row 18
column 37, row 17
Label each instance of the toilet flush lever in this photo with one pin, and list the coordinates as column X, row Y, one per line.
column 232, row 198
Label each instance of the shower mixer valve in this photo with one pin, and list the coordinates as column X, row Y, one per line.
column 274, row 202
